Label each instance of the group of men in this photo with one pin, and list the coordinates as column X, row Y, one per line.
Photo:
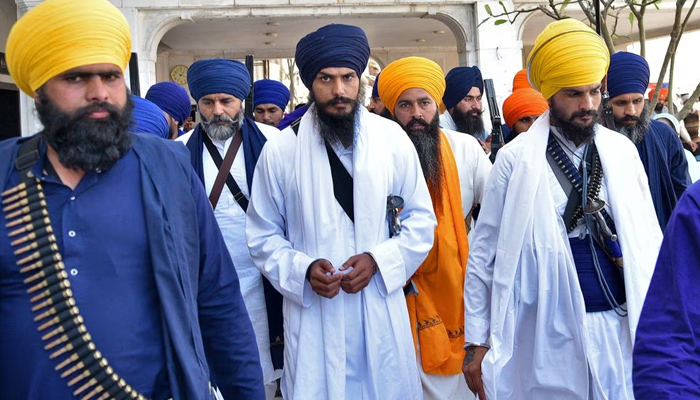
column 339, row 254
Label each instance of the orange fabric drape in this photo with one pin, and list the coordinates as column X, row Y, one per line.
column 437, row 312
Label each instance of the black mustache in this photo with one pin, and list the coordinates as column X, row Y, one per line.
column 414, row 122
column 592, row 113
column 337, row 100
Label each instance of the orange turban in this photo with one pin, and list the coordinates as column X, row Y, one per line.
column 409, row 73
column 663, row 93
column 520, row 80
column 523, row 103
column 59, row 35
column 567, row 54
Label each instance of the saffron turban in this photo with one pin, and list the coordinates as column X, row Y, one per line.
column 218, row 75
column 332, row 46
column 566, row 54
column 628, row 73
column 663, row 93
column 522, row 103
column 375, row 87
column 59, row 35
column 409, row 73
column 460, row 81
column 171, row 98
column 148, row 118
column 267, row 91
column 520, row 80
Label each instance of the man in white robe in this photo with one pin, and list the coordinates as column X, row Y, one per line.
column 526, row 294
column 455, row 168
column 347, row 332
column 219, row 86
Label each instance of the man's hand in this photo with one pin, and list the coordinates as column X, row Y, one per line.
column 486, row 145
column 324, row 285
column 471, row 368
column 363, row 267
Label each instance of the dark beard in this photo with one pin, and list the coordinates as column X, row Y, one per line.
column 634, row 132
column 427, row 143
column 466, row 123
column 83, row 143
column 576, row 133
column 336, row 128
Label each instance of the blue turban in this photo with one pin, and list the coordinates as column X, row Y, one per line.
column 148, row 118
column 375, row 88
column 218, row 75
column 460, row 80
column 628, row 73
column 332, row 46
column 171, row 98
column 267, row 91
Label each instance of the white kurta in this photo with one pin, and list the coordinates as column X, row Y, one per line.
column 473, row 166
column 354, row 346
column 231, row 219
column 522, row 291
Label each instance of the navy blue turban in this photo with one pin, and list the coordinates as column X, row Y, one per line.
column 375, row 90
column 148, row 118
column 171, row 98
column 332, row 46
column 218, row 75
column 460, row 80
column 628, row 73
column 267, row 91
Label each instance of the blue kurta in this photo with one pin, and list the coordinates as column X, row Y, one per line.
column 666, row 167
column 667, row 348
column 152, row 277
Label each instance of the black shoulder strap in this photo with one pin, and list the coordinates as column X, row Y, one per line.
column 342, row 180
column 230, row 182
column 28, row 155
column 342, row 183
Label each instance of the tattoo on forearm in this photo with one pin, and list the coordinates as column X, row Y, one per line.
column 469, row 357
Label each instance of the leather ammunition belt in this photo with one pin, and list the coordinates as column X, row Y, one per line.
column 574, row 176
column 62, row 326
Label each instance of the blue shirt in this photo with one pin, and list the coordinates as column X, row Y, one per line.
column 101, row 232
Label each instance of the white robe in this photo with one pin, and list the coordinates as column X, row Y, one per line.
column 473, row 166
column 522, row 292
column 354, row 346
column 231, row 219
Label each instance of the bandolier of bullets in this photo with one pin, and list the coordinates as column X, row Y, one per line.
column 593, row 186
column 63, row 330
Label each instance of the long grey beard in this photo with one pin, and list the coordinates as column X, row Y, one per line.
column 635, row 132
column 222, row 132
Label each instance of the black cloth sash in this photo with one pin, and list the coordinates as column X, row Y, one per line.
column 593, row 295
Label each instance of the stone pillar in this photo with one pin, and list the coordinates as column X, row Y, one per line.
column 29, row 122
column 499, row 51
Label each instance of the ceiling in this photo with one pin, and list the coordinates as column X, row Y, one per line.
column 277, row 37
column 281, row 35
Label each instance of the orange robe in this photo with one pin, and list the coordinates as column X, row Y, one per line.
column 437, row 312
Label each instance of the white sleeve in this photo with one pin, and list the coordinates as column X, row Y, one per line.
column 482, row 253
column 398, row 258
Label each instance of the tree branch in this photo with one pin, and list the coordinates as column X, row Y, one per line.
column 689, row 104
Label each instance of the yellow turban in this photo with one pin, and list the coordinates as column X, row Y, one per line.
column 59, row 35
column 409, row 73
column 567, row 54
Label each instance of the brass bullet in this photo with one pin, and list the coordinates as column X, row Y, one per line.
column 14, row 190
column 63, row 284
column 55, row 309
column 30, row 227
column 66, row 294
